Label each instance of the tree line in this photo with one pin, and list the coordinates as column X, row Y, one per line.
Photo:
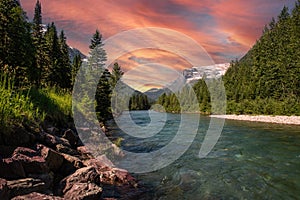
column 37, row 56
column 265, row 81
column 31, row 52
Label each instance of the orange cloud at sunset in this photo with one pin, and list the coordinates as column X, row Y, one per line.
column 226, row 29
column 217, row 25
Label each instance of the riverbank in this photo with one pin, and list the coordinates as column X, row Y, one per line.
column 293, row 120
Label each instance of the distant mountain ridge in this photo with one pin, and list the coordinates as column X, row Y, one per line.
column 191, row 76
column 73, row 52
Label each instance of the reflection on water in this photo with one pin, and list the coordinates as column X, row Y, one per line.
column 250, row 161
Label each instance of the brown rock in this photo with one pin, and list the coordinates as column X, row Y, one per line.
column 84, row 153
column 36, row 196
column 52, row 140
column 97, row 164
column 71, row 137
column 84, row 191
column 25, row 186
column 123, row 177
column 66, row 149
column 11, row 169
column 83, row 175
column 46, row 178
column 76, row 162
column 32, row 165
column 70, row 164
column 53, row 158
column 105, row 161
column 108, row 173
column 25, row 151
column 4, row 194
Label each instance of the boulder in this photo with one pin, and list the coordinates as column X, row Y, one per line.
column 122, row 176
column 66, row 149
column 32, row 164
column 53, row 159
column 46, row 178
column 70, row 164
column 25, row 151
column 11, row 169
column 84, row 191
column 109, row 174
column 36, row 196
column 25, row 186
column 76, row 162
column 71, row 137
column 98, row 164
column 84, row 153
column 4, row 194
column 83, row 175
column 52, row 140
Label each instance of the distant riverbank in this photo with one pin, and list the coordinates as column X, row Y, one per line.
column 294, row 120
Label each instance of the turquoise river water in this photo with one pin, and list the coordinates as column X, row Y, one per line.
column 250, row 160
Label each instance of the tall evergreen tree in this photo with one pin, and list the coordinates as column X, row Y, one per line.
column 75, row 67
column 64, row 70
column 116, row 74
column 16, row 48
column 53, row 53
column 41, row 57
column 96, row 40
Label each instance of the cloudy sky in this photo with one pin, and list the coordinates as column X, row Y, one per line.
column 225, row 29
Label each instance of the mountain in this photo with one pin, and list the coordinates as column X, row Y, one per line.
column 73, row 52
column 154, row 93
column 211, row 71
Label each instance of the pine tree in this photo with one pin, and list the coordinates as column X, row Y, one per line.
column 41, row 58
column 116, row 75
column 64, row 71
column 16, row 48
column 75, row 67
column 96, row 40
column 103, row 96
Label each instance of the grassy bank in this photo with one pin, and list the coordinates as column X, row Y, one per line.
column 17, row 106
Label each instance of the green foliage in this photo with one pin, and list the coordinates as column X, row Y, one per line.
column 15, row 106
column 75, row 67
column 96, row 40
column 139, row 101
column 267, row 79
column 103, row 97
column 16, row 49
column 116, row 75
column 54, row 102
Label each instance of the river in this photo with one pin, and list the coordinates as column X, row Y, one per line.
column 249, row 161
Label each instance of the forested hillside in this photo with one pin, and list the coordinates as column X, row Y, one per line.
column 265, row 81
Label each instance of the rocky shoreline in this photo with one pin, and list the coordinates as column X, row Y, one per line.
column 292, row 120
column 48, row 163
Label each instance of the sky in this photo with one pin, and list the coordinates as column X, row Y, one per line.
column 224, row 29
